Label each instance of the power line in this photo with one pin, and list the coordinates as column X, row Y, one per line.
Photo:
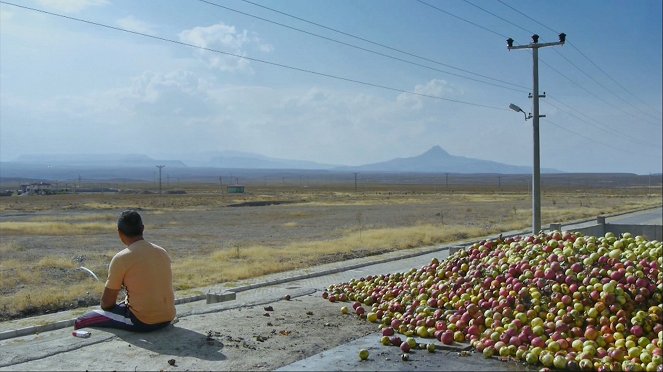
column 595, row 123
column 596, row 81
column 609, row 76
column 299, row 69
column 650, row 117
column 590, row 139
column 585, row 56
column 611, row 130
column 497, row 33
column 620, row 108
column 411, row 54
column 502, row 18
column 525, row 15
column 462, row 19
column 355, row 46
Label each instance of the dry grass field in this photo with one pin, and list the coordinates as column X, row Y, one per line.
column 215, row 238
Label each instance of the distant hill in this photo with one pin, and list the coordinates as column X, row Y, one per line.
column 233, row 160
column 437, row 160
column 96, row 160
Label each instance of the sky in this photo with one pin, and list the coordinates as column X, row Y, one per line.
column 337, row 82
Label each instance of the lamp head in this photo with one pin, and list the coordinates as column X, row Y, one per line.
column 515, row 108
column 562, row 38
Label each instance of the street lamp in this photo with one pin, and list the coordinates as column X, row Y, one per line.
column 518, row 109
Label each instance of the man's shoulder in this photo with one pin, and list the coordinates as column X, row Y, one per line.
column 140, row 249
column 157, row 247
column 121, row 254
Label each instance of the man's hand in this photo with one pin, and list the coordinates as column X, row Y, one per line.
column 109, row 298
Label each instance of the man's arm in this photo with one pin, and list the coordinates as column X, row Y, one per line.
column 109, row 298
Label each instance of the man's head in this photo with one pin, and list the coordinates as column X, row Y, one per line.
column 130, row 224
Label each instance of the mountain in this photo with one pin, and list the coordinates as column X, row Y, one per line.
column 95, row 160
column 233, row 159
column 437, row 160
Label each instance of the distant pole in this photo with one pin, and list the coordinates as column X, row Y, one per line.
column 356, row 181
column 160, row 167
column 536, row 169
column 221, row 183
column 446, row 175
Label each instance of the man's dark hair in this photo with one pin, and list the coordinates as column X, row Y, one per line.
column 130, row 223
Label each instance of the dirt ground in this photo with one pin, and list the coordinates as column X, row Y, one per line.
column 253, row 338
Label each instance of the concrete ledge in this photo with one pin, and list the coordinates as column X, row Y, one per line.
column 454, row 250
column 36, row 329
column 185, row 300
column 213, row 298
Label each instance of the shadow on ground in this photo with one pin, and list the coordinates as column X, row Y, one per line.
column 175, row 341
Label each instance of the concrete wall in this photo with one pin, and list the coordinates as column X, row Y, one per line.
column 652, row 232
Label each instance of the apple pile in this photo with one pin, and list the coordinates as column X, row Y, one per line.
column 559, row 299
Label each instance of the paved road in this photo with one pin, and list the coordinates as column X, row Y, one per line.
column 55, row 349
column 648, row 217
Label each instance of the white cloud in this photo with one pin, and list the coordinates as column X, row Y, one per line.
column 5, row 15
column 71, row 6
column 225, row 38
column 134, row 24
column 435, row 87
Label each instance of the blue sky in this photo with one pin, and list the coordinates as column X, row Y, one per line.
column 72, row 87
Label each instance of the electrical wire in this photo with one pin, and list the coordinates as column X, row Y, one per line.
column 600, row 125
column 588, row 59
column 356, row 46
column 649, row 117
column 600, row 84
column 463, row 19
column 276, row 64
column 590, row 139
column 595, row 123
column 502, row 18
column 411, row 54
column 591, row 93
column 610, row 77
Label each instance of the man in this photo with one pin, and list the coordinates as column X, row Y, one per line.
column 144, row 270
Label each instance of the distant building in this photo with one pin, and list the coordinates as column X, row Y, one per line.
column 235, row 189
column 41, row 188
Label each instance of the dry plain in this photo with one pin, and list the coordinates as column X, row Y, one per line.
column 214, row 238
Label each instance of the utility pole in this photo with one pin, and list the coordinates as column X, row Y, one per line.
column 355, row 181
column 536, row 168
column 160, row 167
